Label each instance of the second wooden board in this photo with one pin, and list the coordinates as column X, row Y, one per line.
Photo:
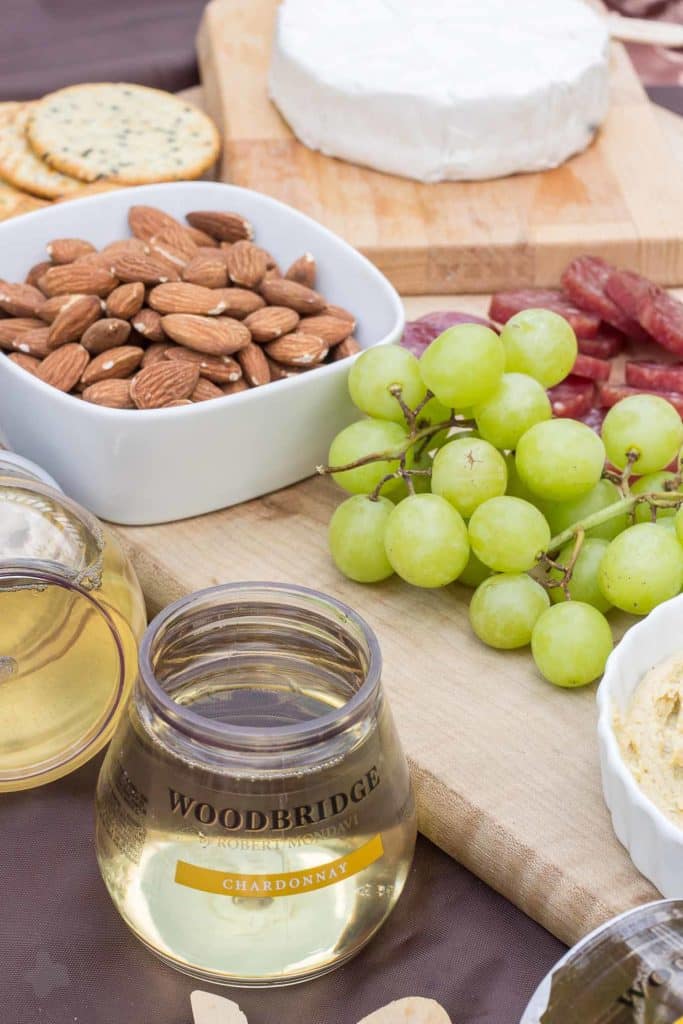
column 622, row 198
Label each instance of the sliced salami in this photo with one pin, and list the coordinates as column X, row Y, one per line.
column 662, row 317
column 604, row 346
column 506, row 304
column 572, row 398
column 630, row 291
column 594, row 419
column 641, row 373
column 418, row 334
column 610, row 394
column 592, row 368
column 584, row 280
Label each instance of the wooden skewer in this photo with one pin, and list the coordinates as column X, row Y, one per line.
column 640, row 30
column 210, row 1009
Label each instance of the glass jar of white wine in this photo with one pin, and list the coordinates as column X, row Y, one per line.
column 255, row 818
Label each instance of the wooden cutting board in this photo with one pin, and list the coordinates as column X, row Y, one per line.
column 622, row 198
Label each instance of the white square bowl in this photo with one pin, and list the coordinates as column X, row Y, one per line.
column 134, row 467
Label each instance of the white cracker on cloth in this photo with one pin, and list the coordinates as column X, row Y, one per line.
column 412, row 1010
column 19, row 165
column 210, row 1009
column 127, row 134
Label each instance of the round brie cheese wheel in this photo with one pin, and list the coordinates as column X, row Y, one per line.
column 442, row 89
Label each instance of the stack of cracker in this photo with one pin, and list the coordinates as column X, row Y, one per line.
column 89, row 138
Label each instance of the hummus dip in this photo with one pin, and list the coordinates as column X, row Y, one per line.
column 650, row 735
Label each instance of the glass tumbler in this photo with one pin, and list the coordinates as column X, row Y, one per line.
column 255, row 817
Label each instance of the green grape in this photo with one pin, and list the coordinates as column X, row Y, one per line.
column 356, row 538
column 646, row 424
column 508, row 534
column 654, row 482
column 426, row 541
column 397, row 490
column 434, row 412
column 570, row 643
column 541, row 344
column 375, row 371
column 364, row 438
column 642, row 567
column 563, row 514
column 474, row 573
column 467, row 472
column 518, row 403
column 560, row 460
column 515, row 487
column 678, row 524
column 504, row 609
column 464, row 365
column 584, row 585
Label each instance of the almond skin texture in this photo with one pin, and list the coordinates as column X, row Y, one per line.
column 28, row 363
column 72, row 278
column 148, row 268
column 239, row 302
column 280, row 292
column 210, row 271
column 303, row 270
column 148, row 323
column 126, row 300
column 297, row 349
column 155, row 352
column 254, row 365
column 64, row 367
column 147, row 221
column 348, row 347
column 115, row 394
column 169, row 253
column 271, row 322
column 216, row 336
column 36, row 272
column 205, row 391
column 177, row 403
column 331, row 329
column 66, row 250
column 105, row 334
column 235, row 387
column 176, row 236
column 124, row 245
column 32, row 343
column 246, row 263
column 339, row 313
column 20, row 299
column 224, row 227
column 201, row 239
column 218, row 369
column 51, row 308
column 182, row 297
column 116, row 362
column 73, row 320
column 163, row 382
column 12, row 329
column 280, row 372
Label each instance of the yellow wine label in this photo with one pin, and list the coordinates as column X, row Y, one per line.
column 290, row 883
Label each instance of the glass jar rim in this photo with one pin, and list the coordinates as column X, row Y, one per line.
column 249, row 738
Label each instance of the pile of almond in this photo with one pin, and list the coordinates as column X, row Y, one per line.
column 177, row 314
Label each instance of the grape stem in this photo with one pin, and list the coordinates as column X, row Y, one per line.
column 656, row 499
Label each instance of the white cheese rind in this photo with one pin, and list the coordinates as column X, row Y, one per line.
column 442, row 89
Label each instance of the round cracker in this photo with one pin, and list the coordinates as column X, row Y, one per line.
column 19, row 165
column 127, row 134
column 13, row 201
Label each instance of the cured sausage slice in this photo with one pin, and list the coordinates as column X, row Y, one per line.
column 662, row 317
column 641, row 373
column 506, row 304
column 630, row 291
column 604, row 346
column 584, row 280
column 610, row 394
column 589, row 366
column 572, row 398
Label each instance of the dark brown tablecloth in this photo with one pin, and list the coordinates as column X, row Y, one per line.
column 67, row 958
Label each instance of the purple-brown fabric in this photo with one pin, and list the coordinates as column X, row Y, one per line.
column 67, row 958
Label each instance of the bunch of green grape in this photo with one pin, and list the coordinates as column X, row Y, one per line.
column 459, row 472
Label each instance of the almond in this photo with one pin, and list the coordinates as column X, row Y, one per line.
column 226, row 227
column 51, row 308
column 172, row 255
column 73, row 320
column 278, row 371
column 239, row 302
column 104, row 335
column 163, row 382
column 302, row 270
column 137, row 266
column 11, row 329
column 273, row 274
column 210, row 271
column 32, row 343
column 36, row 272
column 147, row 221
column 254, row 365
column 218, row 369
column 155, row 352
column 348, row 347
column 148, row 323
column 235, row 387
column 66, row 250
column 72, row 278
column 64, row 367
column 205, row 391
column 280, row 292
column 20, row 299
column 29, row 363
column 297, row 349
column 339, row 313
column 125, row 245
column 176, row 403
column 331, row 329
column 271, row 322
column 126, row 300
column 115, row 394
column 217, row 336
column 181, row 297
column 247, row 264
column 201, row 239
column 116, row 362
column 176, row 238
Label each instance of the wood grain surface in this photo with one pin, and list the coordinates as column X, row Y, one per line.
column 622, row 198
